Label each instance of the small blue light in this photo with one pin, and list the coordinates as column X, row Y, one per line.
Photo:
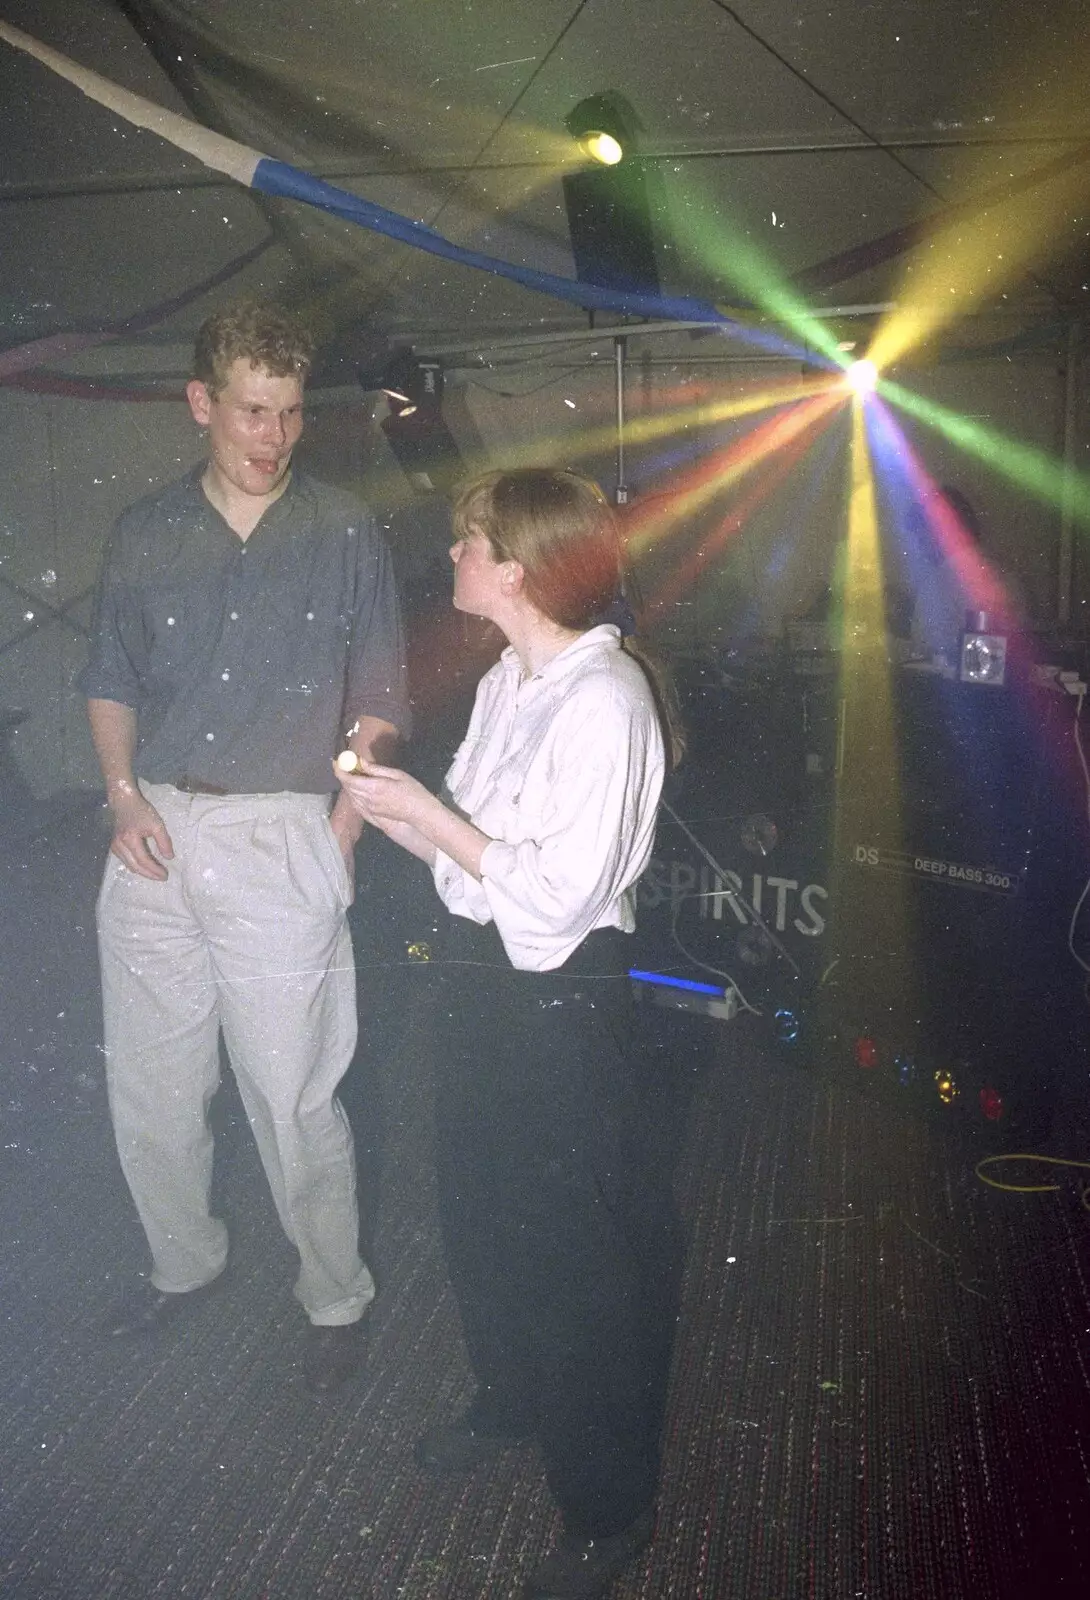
column 786, row 1025
column 675, row 983
column 905, row 1068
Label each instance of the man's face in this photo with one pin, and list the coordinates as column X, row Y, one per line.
column 253, row 425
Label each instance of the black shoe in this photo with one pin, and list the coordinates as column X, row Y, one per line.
column 333, row 1355
column 144, row 1310
column 459, row 1446
column 579, row 1569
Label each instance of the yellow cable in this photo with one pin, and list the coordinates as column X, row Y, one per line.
column 1032, row 1188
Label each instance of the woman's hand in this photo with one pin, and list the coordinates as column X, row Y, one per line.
column 382, row 796
column 386, row 794
column 411, row 815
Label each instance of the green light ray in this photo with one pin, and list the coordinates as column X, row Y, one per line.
column 729, row 253
column 1033, row 469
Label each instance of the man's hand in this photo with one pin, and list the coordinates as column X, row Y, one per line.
column 135, row 822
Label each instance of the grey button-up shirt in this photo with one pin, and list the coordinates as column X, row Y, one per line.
column 246, row 663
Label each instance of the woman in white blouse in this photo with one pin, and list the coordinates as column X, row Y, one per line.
column 554, row 1196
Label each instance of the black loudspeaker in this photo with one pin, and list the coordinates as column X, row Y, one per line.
column 980, row 885
column 739, row 880
column 942, row 940
column 609, row 220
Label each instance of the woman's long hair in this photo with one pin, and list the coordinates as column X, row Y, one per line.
column 564, row 534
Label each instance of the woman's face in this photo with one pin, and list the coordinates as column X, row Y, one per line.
column 478, row 577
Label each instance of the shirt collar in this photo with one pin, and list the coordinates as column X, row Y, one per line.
column 269, row 518
column 603, row 637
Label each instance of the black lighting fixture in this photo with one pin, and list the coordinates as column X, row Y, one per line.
column 413, row 385
column 605, row 128
column 414, row 425
column 610, row 209
column 608, row 203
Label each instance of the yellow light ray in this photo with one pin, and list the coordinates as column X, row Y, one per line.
column 975, row 259
column 868, row 803
column 1003, row 222
column 659, row 425
column 722, row 470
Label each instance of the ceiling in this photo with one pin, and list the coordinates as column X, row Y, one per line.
column 800, row 144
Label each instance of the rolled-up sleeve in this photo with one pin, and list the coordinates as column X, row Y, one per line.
column 117, row 660
column 377, row 673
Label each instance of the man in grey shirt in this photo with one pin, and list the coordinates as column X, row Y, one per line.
column 246, row 628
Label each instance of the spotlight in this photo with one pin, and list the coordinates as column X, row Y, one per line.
column 759, row 834
column 401, row 405
column 602, row 147
column 411, row 384
column 612, row 200
column 983, row 651
column 414, row 425
column 604, row 126
column 862, row 377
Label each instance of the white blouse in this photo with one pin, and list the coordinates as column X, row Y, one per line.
column 563, row 771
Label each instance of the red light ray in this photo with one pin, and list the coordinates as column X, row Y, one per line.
column 685, row 574
column 654, row 516
column 975, row 576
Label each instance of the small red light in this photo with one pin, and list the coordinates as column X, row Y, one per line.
column 991, row 1103
column 866, row 1052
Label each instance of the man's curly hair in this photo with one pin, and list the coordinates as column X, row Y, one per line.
column 257, row 331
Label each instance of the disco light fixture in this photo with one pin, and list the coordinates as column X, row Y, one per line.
column 862, row 376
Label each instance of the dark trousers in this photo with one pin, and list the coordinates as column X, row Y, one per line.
column 557, row 1216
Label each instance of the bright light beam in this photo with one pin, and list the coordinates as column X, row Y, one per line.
column 999, row 230
column 978, row 584
column 732, row 255
column 710, row 544
column 652, row 519
column 1032, row 469
column 868, row 808
column 644, row 430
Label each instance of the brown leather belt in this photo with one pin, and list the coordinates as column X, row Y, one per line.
column 198, row 786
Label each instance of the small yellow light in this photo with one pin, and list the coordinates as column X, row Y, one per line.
column 601, row 147
column 420, row 950
column 947, row 1087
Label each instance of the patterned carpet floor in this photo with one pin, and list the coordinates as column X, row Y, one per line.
column 882, row 1379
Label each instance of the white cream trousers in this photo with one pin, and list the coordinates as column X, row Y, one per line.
column 247, row 934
